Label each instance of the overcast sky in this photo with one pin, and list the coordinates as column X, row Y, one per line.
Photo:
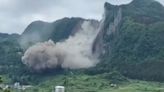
column 15, row 15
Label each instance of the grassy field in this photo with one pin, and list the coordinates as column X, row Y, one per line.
column 86, row 83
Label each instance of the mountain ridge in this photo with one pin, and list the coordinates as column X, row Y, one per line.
column 59, row 30
column 136, row 45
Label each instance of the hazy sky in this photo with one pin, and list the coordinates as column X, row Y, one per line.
column 15, row 15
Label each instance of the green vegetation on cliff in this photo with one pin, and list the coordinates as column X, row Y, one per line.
column 136, row 49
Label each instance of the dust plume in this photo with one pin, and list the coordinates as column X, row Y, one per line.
column 73, row 53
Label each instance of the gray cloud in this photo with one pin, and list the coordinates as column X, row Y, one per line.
column 17, row 14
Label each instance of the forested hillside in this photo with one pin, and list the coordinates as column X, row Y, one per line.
column 135, row 46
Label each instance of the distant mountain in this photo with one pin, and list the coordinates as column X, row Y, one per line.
column 131, row 40
column 10, row 53
column 7, row 36
column 57, row 31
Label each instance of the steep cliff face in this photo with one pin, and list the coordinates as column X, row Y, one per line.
column 140, row 11
column 109, row 25
column 131, row 41
column 59, row 30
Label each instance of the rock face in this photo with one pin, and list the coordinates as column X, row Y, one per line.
column 110, row 24
column 59, row 30
column 115, row 16
column 130, row 40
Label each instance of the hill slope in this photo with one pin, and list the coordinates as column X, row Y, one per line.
column 59, row 30
column 131, row 40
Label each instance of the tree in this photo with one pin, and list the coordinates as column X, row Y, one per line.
column 1, row 80
column 5, row 90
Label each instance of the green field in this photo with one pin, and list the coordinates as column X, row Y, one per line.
column 97, row 83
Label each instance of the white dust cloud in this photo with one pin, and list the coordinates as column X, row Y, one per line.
column 73, row 53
